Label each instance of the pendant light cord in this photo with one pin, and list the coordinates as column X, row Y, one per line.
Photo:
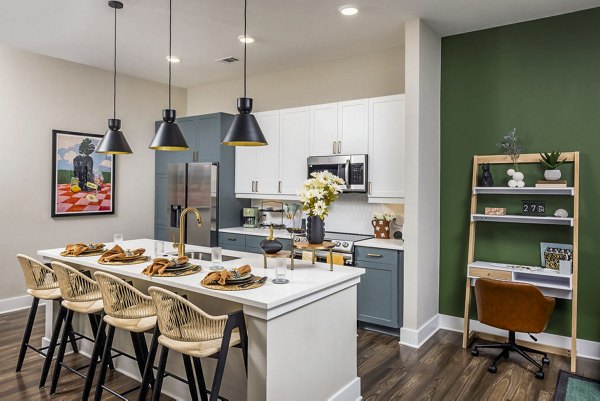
column 170, row 35
column 115, row 71
column 245, row 42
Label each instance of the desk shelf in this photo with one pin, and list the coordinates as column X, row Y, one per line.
column 568, row 191
column 545, row 278
column 559, row 221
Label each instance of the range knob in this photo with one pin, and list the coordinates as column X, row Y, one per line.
column 345, row 244
column 337, row 243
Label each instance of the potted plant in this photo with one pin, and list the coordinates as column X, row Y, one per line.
column 511, row 147
column 551, row 162
column 317, row 194
column 381, row 225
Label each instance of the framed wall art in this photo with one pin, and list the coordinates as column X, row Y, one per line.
column 82, row 180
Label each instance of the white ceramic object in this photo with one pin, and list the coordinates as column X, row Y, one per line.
column 512, row 184
column 510, row 171
column 520, row 184
column 552, row 175
column 518, row 176
column 561, row 213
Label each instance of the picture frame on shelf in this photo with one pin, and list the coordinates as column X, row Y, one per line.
column 82, row 180
column 552, row 254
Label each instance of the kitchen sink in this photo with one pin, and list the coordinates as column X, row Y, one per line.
column 202, row 256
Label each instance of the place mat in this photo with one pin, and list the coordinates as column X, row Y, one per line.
column 141, row 259
column 86, row 254
column 233, row 287
column 193, row 269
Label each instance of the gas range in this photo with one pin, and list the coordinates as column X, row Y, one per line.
column 344, row 244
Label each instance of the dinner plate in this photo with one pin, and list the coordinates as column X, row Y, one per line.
column 245, row 278
column 176, row 268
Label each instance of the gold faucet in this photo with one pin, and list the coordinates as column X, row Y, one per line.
column 181, row 245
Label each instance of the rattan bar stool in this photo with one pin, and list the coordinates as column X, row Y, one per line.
column 41, row 284
column 189, row 330
column 128, row 309
column 82, row 295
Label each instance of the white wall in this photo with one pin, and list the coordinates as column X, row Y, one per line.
column 367, row 75
column 422, row 206
column 40, row 94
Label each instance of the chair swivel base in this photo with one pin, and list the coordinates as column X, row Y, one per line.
column 512, row 346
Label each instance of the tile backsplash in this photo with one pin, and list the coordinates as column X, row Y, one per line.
column 350, row 213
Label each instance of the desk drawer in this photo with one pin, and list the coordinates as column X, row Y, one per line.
column 490, row 273
column 238, row 240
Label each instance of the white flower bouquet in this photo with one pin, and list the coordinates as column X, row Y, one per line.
column 383, row 216
column 318, row 192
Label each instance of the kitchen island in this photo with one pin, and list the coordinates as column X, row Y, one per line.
column 302, row 335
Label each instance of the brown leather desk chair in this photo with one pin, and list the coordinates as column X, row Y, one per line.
column 516, row 307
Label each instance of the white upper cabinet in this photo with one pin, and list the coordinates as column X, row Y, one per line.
column 245, row 169
column 294, row 146
column 267, row 170
column 353, row 127
column 386, row 148
column 323, row 129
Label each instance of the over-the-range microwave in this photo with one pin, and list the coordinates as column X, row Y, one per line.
column 351, row 168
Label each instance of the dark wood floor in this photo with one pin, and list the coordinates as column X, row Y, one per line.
column 440, row 370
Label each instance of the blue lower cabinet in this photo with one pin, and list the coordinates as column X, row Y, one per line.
column 247, row 243
column 232, row 247
column 380, row 289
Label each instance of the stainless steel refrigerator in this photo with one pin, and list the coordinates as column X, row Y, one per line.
column 194, row 185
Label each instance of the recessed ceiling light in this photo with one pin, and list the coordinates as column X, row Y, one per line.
column 348, row 10
column 246, row 39
column 173, row 59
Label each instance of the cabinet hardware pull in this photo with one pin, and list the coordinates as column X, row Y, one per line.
column 370, row 187
column 232, row 239
column 334, row 148
column 279, row 187
column 252, row 189
column 374, row 255
column 256, row 186
column 339, row 147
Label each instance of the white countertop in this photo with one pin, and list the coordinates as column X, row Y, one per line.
column 306, row 281
column 261, row 232
column 396, row 244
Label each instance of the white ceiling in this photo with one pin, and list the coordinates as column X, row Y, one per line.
column 289, row 33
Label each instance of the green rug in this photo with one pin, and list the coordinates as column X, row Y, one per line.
column 570, row 387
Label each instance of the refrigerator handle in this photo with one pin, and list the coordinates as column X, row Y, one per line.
column 174, row 216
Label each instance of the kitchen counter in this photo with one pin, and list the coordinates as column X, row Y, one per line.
column 278, row 318
column 395, row 244
column 261, row 232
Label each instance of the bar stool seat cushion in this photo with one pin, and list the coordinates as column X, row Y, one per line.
column 139, row 325
column 48, row 294
column 198, row 349
column 86, row 307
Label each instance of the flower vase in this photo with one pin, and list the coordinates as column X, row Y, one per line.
column 315, row 230
column 381, row 228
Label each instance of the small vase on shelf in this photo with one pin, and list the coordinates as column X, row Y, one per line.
column 315, row 230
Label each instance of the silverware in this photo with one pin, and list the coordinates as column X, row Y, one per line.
column 259, row 281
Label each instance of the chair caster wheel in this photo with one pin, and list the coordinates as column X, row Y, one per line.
column 539, row 375
column 545, row 361
column 475, row 352
column 493, row 369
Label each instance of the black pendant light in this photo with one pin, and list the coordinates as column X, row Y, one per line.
column 169, row 136
column 114, row 141
column 244, row 130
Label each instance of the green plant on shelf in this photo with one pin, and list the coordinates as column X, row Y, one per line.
column 550, row 160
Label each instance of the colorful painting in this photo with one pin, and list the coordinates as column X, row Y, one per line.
column 82, row 180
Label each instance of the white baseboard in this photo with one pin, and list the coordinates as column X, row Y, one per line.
column 350, row 392
column 585, row 348
column 416, row 338
column 8, row 305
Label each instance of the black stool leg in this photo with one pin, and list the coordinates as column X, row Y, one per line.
column 216, row 384
column 164, row 353
column 244, row 343
column 104, row 361
column 61, row 352
column 89, row 378
column 62, row 313
column 200, row 378
column 148, row 376
column 140, row 356
column 27, row 334
column 72, row 340
column 189, row 372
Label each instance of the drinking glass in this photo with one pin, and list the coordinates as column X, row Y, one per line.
column 216, row 258
column 118, row 238
column 280, row 271
column 159, row 248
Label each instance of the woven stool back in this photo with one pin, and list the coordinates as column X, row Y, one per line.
column 37, row 275
column 179, row 319
column 74, row 285
column 122, row 300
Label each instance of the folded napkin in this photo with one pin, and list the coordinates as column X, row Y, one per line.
column 79, row 248
column 222, row 276
column 159, row 265
column 118, row 254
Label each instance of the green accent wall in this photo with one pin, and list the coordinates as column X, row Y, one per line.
column 542, row 77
